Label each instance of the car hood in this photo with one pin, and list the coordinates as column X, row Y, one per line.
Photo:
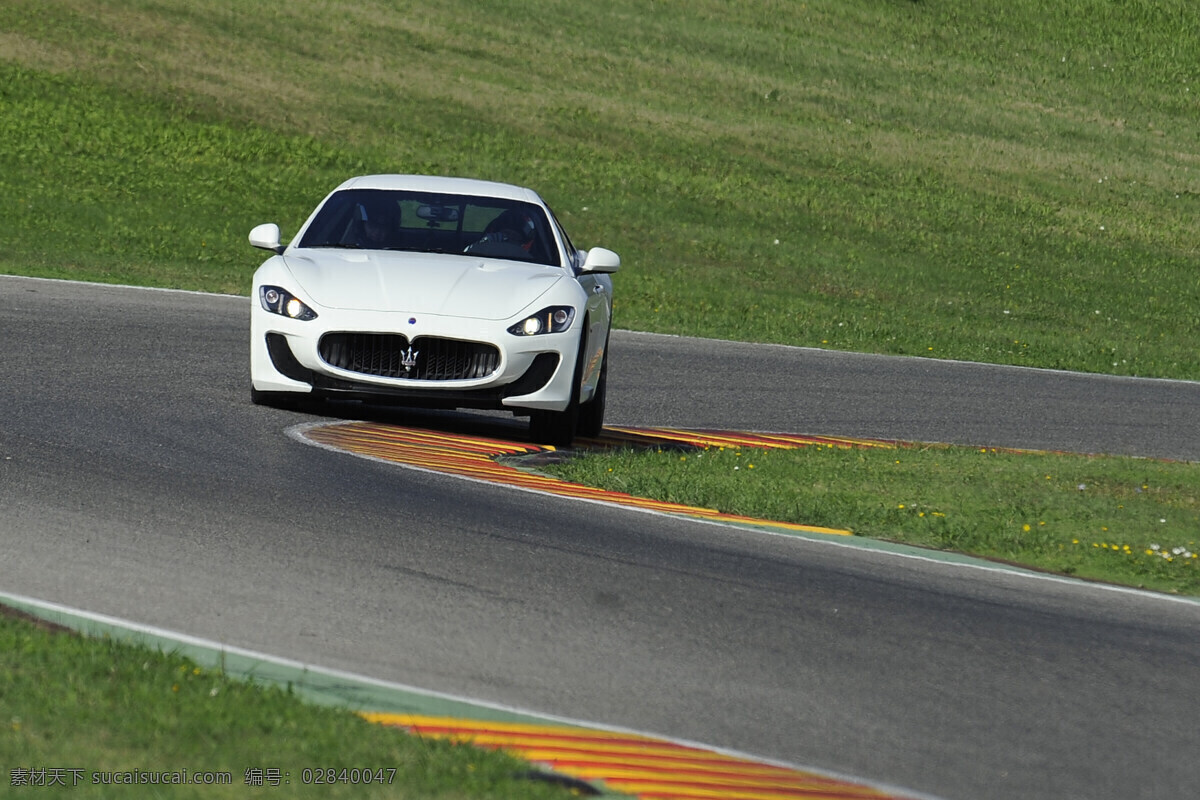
column 450, row 285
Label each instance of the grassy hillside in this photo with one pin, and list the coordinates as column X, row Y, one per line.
column 1008, row 181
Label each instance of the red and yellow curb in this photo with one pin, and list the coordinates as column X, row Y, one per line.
column 641, row 766
column 476, row 457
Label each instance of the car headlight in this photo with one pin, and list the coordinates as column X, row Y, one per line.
column 280, row 301
column 555, row 319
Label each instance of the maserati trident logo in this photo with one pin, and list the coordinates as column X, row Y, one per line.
column 408, row 359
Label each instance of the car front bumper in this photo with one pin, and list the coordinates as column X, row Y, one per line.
column 530, row 372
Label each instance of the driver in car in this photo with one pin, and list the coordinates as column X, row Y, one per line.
column 512, row 226
column 379, row 227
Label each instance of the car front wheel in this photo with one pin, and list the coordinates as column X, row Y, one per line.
column 557, row 428
column 591, row 413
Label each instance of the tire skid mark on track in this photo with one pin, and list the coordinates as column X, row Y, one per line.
column 637, row 765
column 476, row 457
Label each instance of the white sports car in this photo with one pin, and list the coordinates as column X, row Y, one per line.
column 439, row 293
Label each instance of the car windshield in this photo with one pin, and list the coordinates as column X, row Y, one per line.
column 423, row 222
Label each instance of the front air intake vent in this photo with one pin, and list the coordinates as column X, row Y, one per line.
column 392, row 355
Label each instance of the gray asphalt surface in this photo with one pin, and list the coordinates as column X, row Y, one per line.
column 137, row 480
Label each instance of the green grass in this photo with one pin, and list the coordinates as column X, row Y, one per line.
column 83, row 707
column 1000, row 181
column 1128, row 521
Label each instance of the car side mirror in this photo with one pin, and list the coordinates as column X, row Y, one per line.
column 601, row 259
column 266, row 237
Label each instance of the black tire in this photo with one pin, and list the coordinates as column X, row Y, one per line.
column 557, row 428
column 591, row 413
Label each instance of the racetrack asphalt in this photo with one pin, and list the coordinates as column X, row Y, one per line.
column 137, row 481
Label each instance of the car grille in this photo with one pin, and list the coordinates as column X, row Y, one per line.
column 426, row 358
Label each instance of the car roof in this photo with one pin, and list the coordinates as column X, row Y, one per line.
column 444, row 185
